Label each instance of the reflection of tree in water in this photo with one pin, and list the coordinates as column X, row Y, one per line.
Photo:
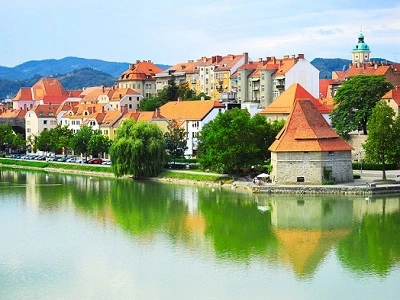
column 374, row 245
column 237, row 228
column 144, row 208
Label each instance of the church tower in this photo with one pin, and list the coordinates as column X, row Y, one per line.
column 361, row 52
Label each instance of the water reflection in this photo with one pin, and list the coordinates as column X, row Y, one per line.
column 298, row 232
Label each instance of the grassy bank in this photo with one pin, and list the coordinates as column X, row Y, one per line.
column 55, row 166
column 106, row 171
column 182, row 175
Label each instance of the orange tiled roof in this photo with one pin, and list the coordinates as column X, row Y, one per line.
column 145, row 116
column 323, row 86
column 48, row 87
column 189, row 110
column 111, row 116
column 365, row 69
column 141, row 70
column 284, row 103
column 307, row 130
column 228, row 62
column 44, row 87
column 45, row 110
column 66, row 106
column 74, row 93
column 393, row 94
column 328, row 103
column 122, row 92
column 54, row 99
column 13, row 113
column 182, row 67
column 24, row 93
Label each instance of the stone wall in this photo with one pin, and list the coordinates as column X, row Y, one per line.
column 308, row 167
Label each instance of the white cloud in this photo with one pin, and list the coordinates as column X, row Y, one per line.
column 175, row 31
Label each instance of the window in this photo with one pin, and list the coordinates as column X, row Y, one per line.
column 130, row 106
column 262, row 88
column 28, row 130
column 130, row 98
column 44, row 122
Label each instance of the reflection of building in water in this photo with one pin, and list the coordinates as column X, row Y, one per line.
column 375, row 205
column 32, row 192
column 189, row 196
column 308, row 228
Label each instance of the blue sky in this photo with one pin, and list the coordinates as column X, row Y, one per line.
column 168, row 32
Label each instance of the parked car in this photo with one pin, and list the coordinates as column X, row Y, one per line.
column 80, row 161
column 71, row 159
column 97, row 161
column 106, row 162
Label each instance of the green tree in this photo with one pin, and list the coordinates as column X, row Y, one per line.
column 234, row 140
column 62, row 136
column 383, row 136
column 44, row 141
column 99, row 144
column 138, row 150
column 18, row 143
column 54, row 140
column 150, row 104
column 176, row 140
column 80, row 141
column 355, row 100
column 6, row 136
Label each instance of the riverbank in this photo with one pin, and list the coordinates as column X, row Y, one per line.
column 368, row 184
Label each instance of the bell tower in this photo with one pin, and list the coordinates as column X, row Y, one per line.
column 361, row 52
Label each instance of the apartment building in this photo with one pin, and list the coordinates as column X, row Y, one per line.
column 140, row 77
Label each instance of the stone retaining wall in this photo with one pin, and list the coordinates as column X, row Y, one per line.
column 344, row 190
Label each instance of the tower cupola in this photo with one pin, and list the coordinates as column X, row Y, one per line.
column 361, row 52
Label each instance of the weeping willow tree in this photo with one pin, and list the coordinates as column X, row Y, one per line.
column 138, row 150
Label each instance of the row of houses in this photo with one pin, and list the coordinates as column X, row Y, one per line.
column 276, row 88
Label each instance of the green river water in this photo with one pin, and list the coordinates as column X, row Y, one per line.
column 78, row 237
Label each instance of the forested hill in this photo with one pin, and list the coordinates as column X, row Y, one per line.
column 327, row 65
column 76, row 79
column 76, row 73
column 50, row 67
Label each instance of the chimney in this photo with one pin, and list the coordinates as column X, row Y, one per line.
column 204, row 59
column 293, row 56
column 131, row 66
column 137, row 61
column 301, row 56
column 285, row 56
column 273, row 59
column 124, row 109
column 158, row 115
column 179, row 99
column 102, row 88
column 120, row 96
column 246, row 57
column 260, row 59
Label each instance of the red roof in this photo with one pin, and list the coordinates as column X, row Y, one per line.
column 307, row 130
column 285, row 102
column 393, row 94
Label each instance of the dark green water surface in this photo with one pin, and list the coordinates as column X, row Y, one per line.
column 76, row 237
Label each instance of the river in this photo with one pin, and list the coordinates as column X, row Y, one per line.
column 80, row 237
